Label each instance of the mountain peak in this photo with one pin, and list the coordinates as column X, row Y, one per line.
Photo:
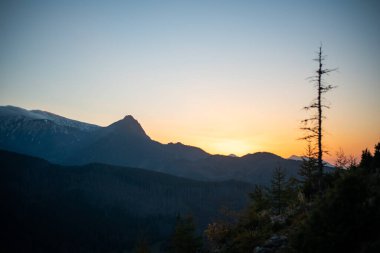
column 129, row 117
column 128, row 125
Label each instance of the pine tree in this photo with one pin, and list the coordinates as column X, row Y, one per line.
column 376, row 157
column 260, row 199
column 366, row 159
column 279, row 191
column 308, row 173
column 184, row 239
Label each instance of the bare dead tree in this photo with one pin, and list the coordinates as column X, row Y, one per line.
column 345, row 162
column 313, row 126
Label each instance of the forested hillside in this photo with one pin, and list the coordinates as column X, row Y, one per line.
column 293, row 216
column 100, row 208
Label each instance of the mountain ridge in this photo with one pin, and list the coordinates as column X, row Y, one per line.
column 125, row 143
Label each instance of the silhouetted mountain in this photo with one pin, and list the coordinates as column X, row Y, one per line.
column 129, row 127
column 254, row 168
column 66, row 141
column 99, row 208
column 125, row 143
column 121, row 143
column 181, row 151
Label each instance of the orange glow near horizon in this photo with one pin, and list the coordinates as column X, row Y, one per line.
column 234, row 122
column 245, row 124
column 283, row 143
column 230, row 131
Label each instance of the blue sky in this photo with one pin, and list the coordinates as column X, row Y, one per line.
column 229, row 76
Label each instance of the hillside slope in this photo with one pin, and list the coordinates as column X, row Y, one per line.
column 98, row 208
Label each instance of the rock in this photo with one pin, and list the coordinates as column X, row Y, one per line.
column 280, row 219
column 262, row 250
column 272, row 244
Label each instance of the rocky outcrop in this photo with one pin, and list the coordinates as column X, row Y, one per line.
column 273, row 244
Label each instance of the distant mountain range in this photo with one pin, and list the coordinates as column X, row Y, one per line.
column 125, row 143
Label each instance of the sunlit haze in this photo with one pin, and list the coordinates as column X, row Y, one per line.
column 229, row 77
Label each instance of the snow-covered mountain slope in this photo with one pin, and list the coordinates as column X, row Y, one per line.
column 300, row 158
column 41, row 133
column 12, row 112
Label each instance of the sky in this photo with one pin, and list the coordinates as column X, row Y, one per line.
column 226, row 76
